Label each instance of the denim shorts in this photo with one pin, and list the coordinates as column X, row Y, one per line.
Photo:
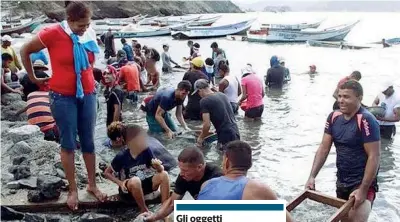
column 75, row 117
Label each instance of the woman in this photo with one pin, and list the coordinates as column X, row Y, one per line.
column 71, row 46
column 252, row 94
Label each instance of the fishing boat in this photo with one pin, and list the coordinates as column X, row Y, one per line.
column 337, row 33
column 392, row 41
column 298, row 26
column 340, row 45
column 23, row 26
column 135, row 31
column 205, row 21
column 120, row 21
column 193, row 32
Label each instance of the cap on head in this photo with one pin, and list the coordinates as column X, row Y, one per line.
column 6, row 38
column 197, row 62
column 386, row 85
column 200, row 84
column 247, row 70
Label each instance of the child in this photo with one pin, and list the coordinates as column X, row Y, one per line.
column 209, row 69
column 139, row 173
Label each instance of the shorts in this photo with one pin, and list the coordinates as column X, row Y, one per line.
column 254, row 112
column 166, row 69
column 75, row 117
column 133, row 96
column 52, row 134
column 387, row 132
column 155, row 127
column 235, row 107
column 147, row 187
column 227, row 136
column 344, row 193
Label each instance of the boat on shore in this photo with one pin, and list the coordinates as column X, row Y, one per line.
column 340, row 45
column 22, row 26
column 137, row 31
column 191, row 32
column 298, row 26
column 391, row 41
column 120, row 21
column 205, row 21
column 337, row 33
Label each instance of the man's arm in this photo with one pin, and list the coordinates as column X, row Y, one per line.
column 117, row 112
column 16, row 60
column 159, row 117
column 223, row 84
column 244, row 94
column 373, row 151
column 376, row 101
column 5, row 86
column 179, row 116
column 394, row 118
column 321, row 155
column 239, row 87
column 109, row 174
column 206, row 126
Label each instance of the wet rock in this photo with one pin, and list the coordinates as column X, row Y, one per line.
column 25, row 133
column 12, row 191
column 6, row 177
column 55, row 218
column 33, row 218
column 20, row 148
column 93, row 217
column 30, row 183
column 10, row 214
column 20, row 172
column 34, row 196
column 60, row 173
column 58, row 165
column 50, row 186
column 13, row 185
column 8, row 112
column 20, row 159
column 9, row 98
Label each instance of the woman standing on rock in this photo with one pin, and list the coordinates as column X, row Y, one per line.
column 72, row 47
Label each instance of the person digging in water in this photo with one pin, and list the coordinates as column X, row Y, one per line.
column 139, row 172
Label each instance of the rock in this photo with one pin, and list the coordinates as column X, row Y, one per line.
column 55, row 218
column 20, row 172
column 8, row 112
column 60, row 173
column 58, row 165
column 33, row 218
column 94, row 217
column 6, row 177
column 13, row 185
column 25, row 133
column 35, row 196
column 13, row 191
column 20, row 148
column 10, row 214
column 9, row 98
column 30, row 183
column 50, row 186
column 19, row 159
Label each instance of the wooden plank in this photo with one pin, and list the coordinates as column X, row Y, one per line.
column 325, row 199
column 294, row 203
column 343, row 211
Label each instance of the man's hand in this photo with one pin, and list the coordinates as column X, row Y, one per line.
column 170, row 134
column 156, row 162
column 310, row 185
column 17, row 91
column 148, row 216
column 360, row 195
column 123, row 187
column 41, row 81
column 200, row 141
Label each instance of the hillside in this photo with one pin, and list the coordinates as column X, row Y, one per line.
column 121, row 9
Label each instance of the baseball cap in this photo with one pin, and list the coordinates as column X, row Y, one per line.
column 200, row 84
column 281, row 59
column 198, row 62
column 6, row 38
column 247, row 70
column 386, row 85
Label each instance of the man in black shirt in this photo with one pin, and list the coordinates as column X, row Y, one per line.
column 192, row 109
column 194, row 172
column 115, row 98
column 276, row 74
column 216, row 109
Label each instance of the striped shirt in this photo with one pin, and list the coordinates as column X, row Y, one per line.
column 38, row 111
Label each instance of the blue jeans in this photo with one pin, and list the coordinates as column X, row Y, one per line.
column 75, row 117
column 155, row 127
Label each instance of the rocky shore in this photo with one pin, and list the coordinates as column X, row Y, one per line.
column 115, row 9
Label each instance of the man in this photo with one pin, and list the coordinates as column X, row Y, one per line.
column 209, row 69
column 39, row 114
column 157, row 116
column 116, row 95
column 128, row 49
column 287, row 77
column 313, row 69
column 194, row 171
column 139, row 172
column 390, row 100
column 355, row 133
column 194, row 51
column 28, row 86
column 190, row 45
column 275, row 75
column 355, row 75
column 230, row 86
column 134, row 42
column 109, row 44
column 251, row 100
column 130, row 75
column 15, row 65
column 385, row 44
column 234, row 184
column 7, row 83
column 216, row 109
column 167, row 60
column 214, row 47
column 192, row 109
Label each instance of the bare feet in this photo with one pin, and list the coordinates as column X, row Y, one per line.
column 72, row 200
column 97, row 193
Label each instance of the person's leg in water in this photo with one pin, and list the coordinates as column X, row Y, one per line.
column 161, row 180
column 134, row 186
column 86, row 126
column 64, row 112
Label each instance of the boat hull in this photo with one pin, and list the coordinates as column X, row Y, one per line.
column 302, row 36
column 25, row 28
column 340, row 45
column 299, row 26
column 212, row 32
column 140, row 34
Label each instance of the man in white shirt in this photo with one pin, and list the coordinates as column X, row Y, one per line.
column 390, row 99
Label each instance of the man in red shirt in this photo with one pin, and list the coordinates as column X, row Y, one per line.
column 130, row 76
column 355, row 75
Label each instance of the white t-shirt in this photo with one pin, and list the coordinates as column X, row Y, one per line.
column 390, row 103
column 232, row 90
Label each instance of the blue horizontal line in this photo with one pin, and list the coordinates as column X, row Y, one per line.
column 230, row 207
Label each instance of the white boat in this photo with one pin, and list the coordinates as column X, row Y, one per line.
column 339, row 45
column 298, row 26
column 205, row 21
column 192, row 32
column 135, row 31
column 120, row 21
column 337, row 33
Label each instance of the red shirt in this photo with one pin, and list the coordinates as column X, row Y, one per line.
column 60, row 48
column 130, row 74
